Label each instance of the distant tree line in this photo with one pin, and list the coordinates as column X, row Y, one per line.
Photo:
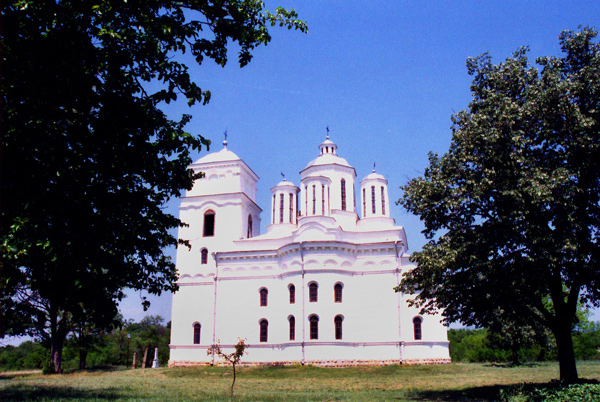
column 105, row 349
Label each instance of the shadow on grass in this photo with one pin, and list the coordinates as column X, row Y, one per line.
column 37, row 393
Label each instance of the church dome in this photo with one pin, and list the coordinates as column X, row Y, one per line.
column 223, row 155
column 374, row 176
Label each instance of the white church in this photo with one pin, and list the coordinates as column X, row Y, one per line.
column 316, row 288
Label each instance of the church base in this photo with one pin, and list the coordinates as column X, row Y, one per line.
column 318, row 363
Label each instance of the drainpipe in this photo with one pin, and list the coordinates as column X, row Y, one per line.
column 303, row 303
column 214, row 341
column 399, row 296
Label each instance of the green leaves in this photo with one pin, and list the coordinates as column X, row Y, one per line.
column 516, row 199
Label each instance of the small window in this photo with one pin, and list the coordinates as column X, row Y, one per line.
column 322, row 200
column 343, row 195
column 209, row 223
column 264, row 330
column 338, row 326
column 264, row 293
column 382, row 200
column 417, row 328
column 281, row 198
column 197, row 328
column 204, row 256
column 273, row 214
column 314, row 199
column 292, row 321
column 291, row 208
column 337, row 293
column 373, row 199
column 249, row 234
column 364, row 197
column 314, row 326
column 292, row 289
column 313, row 292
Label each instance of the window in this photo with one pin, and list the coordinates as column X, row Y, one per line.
column 264, row 330
column 281, row 196
column 382, row 200
column 197, row 328
column 314, row 199
column 314, row 326
column 204, row 256
column 338, row 326
column 337, row 293
column 313, row 292
column 292, row 321
column 273, row 214
column 306, row 200
column 249, row 235
column 417, row 327
column 291, row 208
column 209, row 223
column 264, row 293
column 364, row 204
column 343, row 195
column 323, row 199
column 373, row 199
column 292, row 294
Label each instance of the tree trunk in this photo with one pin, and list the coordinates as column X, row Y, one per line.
column 82, row 358
column 57, row 339
column 233, row 382
column 566, row 354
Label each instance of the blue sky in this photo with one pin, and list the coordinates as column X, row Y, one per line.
column 385, row 76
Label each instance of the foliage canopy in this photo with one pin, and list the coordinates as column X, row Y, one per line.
column 88, row 156
column 513, row 208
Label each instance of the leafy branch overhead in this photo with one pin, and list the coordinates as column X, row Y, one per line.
column 89, row 157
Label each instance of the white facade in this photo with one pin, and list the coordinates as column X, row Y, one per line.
column 317, row 288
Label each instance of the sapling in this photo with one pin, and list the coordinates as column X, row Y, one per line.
column 233, row 357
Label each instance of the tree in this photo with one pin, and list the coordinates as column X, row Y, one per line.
column 512, row 210
column 233, row 358
column 88, row 157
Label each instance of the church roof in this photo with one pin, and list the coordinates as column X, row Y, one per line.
column 223, row 155
column 374, row 175
column 328, row 159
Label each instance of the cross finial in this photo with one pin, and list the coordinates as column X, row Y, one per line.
column 225, row 140
column 327, row 128
column 282, row 175
column 373, row 167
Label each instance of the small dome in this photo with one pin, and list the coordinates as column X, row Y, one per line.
column 285, row 183
column 328, row 159
column 374, row 176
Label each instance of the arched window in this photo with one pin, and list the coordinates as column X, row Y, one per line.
column 373, row 199
column 209, row 223
column 338, row 326
column 343, row 195
column 292, row 321
column 273, row 214
column 417, row 328
column 337, row 293
column 204, row 256
column 364, row 204
column 314, row 199
column 249, row 234
column 197, row 328
column 281, row 198
column 264, row 330
column 382, row 200
column 314, row 326
column 313, row 292
column 322, row 199
column 292, row 289
column 291, row 208
column 264, row 293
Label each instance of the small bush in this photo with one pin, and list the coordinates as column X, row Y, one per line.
column 571, row 393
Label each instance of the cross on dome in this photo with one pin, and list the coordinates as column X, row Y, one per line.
column 327, row 146
column 225, row 140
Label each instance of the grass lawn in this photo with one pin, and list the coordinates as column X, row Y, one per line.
column 454, row 382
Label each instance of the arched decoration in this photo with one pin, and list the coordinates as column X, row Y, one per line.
column 417, row 321
column 313, row 292
column 337, row 292
column 197, row 327
column 209, row 223
column 292, row 322
column 204, row 256
column 249, row 234
column 337, row 321
column 314, row 326
column 264, row 330
column 343, row 183
column 264, row 294
column 292, row 290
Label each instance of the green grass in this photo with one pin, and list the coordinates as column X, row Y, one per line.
column 455, row 382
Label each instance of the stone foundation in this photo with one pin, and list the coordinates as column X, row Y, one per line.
column 318, row 363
